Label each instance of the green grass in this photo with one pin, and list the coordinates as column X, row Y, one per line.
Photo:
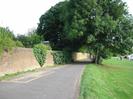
column 112, row 80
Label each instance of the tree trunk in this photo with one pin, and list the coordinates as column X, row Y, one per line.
column 98, row 59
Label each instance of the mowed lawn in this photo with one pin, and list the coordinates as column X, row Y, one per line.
column 112, row 80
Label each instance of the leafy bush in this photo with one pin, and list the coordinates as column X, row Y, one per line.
column 19, row 44
column 6, row 40
column 61, row 57
column 30, row 40
column 40, row 52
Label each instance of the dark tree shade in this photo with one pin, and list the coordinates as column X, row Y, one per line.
column 51, row 26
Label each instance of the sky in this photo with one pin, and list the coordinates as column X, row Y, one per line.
column 23, row 15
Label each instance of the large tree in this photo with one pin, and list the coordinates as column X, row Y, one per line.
column 103, row 24
column 102, row 27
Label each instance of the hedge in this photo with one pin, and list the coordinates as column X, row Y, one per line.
column 40, row 52
column 61, row 57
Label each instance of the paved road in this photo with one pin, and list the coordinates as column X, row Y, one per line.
column 60, row 83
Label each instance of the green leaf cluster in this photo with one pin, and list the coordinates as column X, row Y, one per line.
column 61, row 57
column 40, row 52
column 30, row 40
column 7, row 42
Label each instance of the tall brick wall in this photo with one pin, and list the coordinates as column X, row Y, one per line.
column 19, row 60
column 22, row 59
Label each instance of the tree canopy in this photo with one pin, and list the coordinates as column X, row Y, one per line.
column 101, row 27
column 51, row 26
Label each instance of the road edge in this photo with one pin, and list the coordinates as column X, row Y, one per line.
column 77, row 84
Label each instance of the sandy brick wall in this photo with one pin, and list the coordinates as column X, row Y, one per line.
column 81, row 57
column 21, row 59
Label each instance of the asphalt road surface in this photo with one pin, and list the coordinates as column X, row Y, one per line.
column 57, row 83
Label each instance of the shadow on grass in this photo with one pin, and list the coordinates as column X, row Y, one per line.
column 105, row 66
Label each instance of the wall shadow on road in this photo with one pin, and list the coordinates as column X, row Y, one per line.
column 82, row 62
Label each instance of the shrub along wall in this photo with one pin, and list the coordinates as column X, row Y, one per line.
column 61, row 57
column 40, row 52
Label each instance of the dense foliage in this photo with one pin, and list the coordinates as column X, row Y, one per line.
column 40, row 52
column 100, row 27
column 19, row 44
column 30, row 40
column 103, row 24
column 51, row 26
column 6, row 40
column 61, row 57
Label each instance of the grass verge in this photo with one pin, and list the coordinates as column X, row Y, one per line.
column 112, row 80
column 18, row 74
column 12, row 75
